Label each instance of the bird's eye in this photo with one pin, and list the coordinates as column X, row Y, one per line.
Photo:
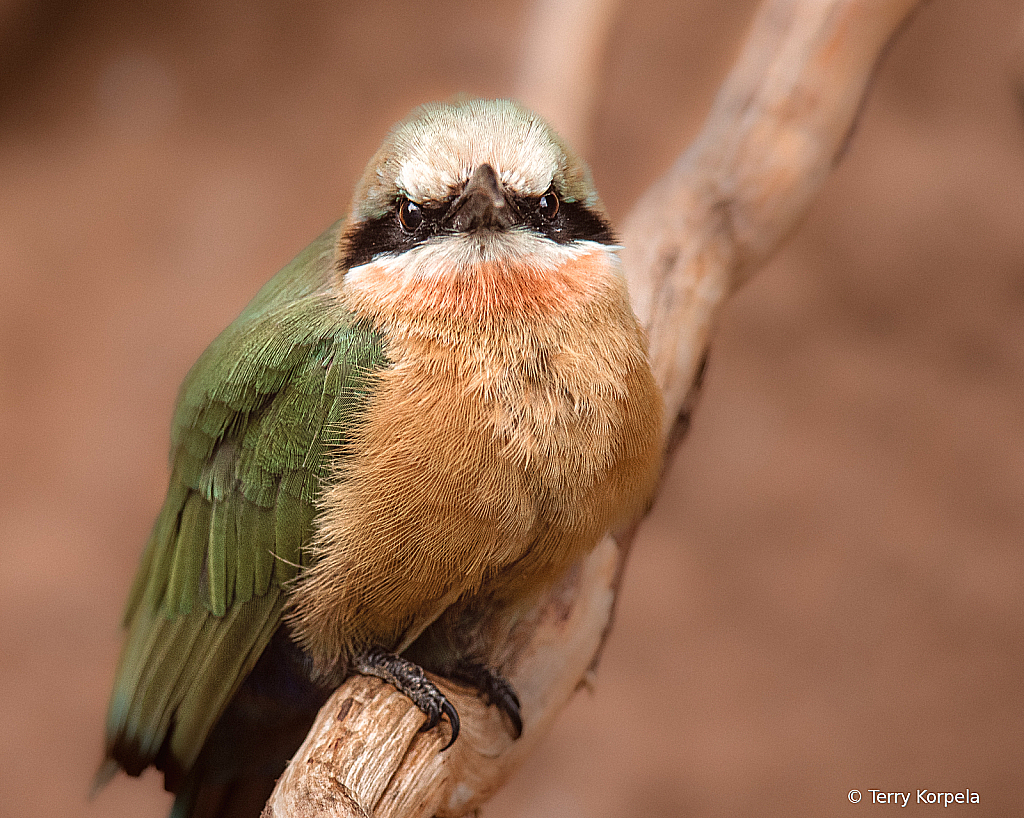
column 410, row 215
column 547, row 205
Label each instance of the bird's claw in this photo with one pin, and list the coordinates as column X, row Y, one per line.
column 494, row 688
column 453, row 719
column 409, row 679
column 435, row 708
column 501, row 694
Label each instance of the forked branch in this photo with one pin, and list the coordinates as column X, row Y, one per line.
column 778, row 126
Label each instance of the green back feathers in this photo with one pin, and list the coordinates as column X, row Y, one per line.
column 261, row 418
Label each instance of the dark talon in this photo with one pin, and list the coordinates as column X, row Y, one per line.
column 453, row 719
column 494, row 689
column 408, row 679
column 433, row 717
column 507, row 701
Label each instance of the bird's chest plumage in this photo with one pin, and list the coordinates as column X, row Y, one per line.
column 506, row 435
column 507, row 425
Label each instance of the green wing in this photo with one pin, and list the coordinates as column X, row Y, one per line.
column 260, row 418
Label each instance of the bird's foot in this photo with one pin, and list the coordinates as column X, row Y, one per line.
column 409, row 679
column 493, row 688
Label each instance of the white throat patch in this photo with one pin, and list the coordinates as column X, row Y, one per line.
column 450, row 257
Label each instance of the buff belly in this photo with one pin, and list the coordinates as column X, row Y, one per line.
column 493, row 455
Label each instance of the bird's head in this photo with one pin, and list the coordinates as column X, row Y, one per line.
column 462, row 187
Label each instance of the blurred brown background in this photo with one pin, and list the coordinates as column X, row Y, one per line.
column 828, row 595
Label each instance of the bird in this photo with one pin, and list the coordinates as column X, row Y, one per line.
column 434, row 410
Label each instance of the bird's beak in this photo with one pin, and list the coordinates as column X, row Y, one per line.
column 482, row 204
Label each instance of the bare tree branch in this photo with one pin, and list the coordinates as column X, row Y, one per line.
column 778, row 126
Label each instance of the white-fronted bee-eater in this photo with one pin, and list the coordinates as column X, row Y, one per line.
column 435, row 409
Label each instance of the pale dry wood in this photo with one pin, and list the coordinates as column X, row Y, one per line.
column 545, row 651
column 778, row 126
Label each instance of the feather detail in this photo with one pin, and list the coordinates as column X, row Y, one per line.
column 518, row 422
column 260, row 418
column 457, row 417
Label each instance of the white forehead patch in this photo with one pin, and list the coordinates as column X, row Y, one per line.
column 438, row 151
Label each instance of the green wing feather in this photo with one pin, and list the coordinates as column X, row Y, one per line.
column 260, row 419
